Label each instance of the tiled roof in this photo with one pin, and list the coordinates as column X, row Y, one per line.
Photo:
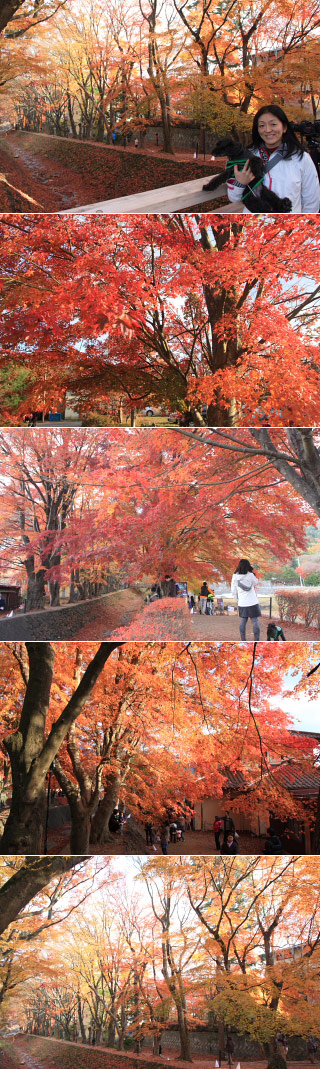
column 302, row 785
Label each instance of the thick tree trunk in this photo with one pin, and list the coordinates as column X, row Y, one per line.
column 36, row 590
column 24, row 828
column 26, row 883
column 111, row 1035
column 100, row 822
column 81, row 1021
column 274, row 1055
column 23, row 832
column 70, row 113
column 222, row 305
column 80, row 829
column 54, row 588
column 166, row 126
column 185, row 1049
column 31, row 754
column 8, row 10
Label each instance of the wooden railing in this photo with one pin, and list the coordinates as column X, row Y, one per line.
column 167, row 199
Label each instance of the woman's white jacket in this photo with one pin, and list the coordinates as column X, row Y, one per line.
column 294, row 178
column 243, row 588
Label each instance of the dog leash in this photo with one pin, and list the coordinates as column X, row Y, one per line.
column 272, row 163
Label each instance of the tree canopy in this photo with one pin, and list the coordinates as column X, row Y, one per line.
column 163, row 723
column 183, row 311
column 126, row 66
column 77, row 503
column 191, row 942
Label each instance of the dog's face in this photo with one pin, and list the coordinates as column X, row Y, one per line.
column 227, row 147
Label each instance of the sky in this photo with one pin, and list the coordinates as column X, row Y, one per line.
column 306, row 714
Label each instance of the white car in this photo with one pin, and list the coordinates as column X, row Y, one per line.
column 149, row 411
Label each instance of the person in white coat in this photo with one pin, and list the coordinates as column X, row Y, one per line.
column 243, row 587
column 292, row 174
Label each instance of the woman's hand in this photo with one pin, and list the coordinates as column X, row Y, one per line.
column 245, row 176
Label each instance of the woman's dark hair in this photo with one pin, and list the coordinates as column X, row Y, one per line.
column 290, row 141
column 244, row 566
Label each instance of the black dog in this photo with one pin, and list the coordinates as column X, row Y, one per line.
column 260, row 199
column 275, row 633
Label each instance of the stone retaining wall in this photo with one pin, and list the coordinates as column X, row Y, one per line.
column 245, row 1049
column 61, row 623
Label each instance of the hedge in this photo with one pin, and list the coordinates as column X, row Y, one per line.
column 297, row 605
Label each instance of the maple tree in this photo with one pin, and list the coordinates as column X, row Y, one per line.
column 76, row 503
column 165, row 47
column 237, row 915
column 31, row 748
column 207, row 63
column 25, row 14
column 148, row 744
column 294, row 453
column 185, row 310
column 23, row 878
column 65, row 887
column 196, row 941
column 229, row 48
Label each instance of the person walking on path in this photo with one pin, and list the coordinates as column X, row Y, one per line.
column 229, row 1049
column 282, row 1043
column 205, row 593
column 210, row 602
column 217, row 829
column 149, row 833
column 243, row 588
column 228, row 824
column 231, row 846
column 181, row 828
column 289, row 170
column 312, row 1048
column 203, row 598
column 165, row 837
column 273, row 844
column 173, row 831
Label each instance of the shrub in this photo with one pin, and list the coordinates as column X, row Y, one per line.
column 313, row 579
column 297, row 605
column 288, row 575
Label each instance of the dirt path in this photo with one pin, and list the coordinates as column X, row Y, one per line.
column 46, row 182
column 68, row 1055
column 195, row 842
column 227, row 627
column 60, row 173
column 118, row 612
column 16, row 1054
column 169, row 620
